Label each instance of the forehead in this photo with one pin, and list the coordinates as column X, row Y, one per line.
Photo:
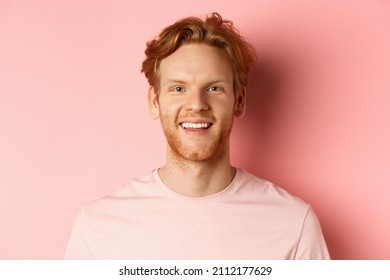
column 196, row 62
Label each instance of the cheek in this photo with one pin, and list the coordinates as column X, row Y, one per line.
column 225, row 109
column 169, row 109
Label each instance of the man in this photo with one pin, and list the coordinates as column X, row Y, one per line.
column 197, row 206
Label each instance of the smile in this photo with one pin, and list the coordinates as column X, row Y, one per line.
column 195, row 125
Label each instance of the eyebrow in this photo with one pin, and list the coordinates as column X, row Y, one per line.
column 174, row 81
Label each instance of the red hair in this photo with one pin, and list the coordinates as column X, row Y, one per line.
column 213, row 31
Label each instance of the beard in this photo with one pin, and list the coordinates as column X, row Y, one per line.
column 197, row 150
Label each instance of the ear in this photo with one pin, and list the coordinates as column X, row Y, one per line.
column 154, row 110
column 239, row 110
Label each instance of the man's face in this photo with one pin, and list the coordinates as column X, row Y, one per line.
column 196, row 102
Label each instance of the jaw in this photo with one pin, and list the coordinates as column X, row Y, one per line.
column 198, row 145
column 196, row 159
column 197, row 140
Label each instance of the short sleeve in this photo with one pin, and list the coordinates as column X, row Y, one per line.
column 77, row 248
column 311, row 244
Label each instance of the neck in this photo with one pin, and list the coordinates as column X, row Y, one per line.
column 197, row 179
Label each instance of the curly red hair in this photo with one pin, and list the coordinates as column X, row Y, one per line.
column 213, row 31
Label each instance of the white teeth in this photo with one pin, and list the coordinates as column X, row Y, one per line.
column 195, row 125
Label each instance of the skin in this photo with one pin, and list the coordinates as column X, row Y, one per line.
column 196, row 86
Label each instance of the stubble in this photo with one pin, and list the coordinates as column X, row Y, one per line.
column 210, row 151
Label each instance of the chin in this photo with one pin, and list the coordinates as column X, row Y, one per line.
column 200, row 155
column 196, row 157
column 198, row 151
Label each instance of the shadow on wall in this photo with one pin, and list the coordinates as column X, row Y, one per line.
column 265, row 98
column 275, row 86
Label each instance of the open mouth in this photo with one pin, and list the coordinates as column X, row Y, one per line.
column 190, row 125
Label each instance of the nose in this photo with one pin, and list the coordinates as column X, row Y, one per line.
column 197, row 101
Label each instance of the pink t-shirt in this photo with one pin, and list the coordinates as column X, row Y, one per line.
column 250, row 219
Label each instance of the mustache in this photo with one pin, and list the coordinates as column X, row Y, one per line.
column 197, row 116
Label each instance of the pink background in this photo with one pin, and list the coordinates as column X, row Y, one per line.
column 74, row 121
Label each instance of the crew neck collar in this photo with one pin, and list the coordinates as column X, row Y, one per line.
column 201, row 199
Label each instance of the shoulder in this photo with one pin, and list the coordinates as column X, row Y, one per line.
column 122, row 195
column 253, row 188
